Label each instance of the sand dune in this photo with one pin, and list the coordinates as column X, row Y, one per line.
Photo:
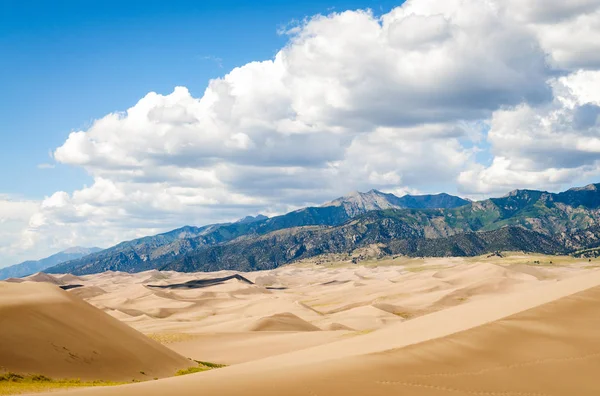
column 45, row 278
column 88, row 292
column 45, row 330
column 370, row 319
column 363, row 318
column 70, row 279
column 360, row 298
column 14, row 280
column 338, row 326
column 235, row 348
column 282, row 322
column 541, row 342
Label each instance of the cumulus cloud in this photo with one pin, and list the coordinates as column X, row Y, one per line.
column 551, row 11
column 568, row 30
column 400, row 102
column 544, row 146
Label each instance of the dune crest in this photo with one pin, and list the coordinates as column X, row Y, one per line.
column 45, row 278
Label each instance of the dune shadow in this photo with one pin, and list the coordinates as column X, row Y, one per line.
column 69, row 287
column 201, row 283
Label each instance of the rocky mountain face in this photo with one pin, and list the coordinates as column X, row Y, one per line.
column 357, row 203
column 31, row 267
column 527, row 220
column 143, row 254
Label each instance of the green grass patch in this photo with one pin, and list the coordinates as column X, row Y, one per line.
column 210, row 365
column 16, row 384
column 202, row 366
column 192, row 370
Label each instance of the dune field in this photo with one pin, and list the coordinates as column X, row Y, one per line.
column 517, row 325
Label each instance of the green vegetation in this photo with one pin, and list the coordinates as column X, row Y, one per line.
column 192, row 370
column 16, row 384
column 588, row 253
column 211, row 365
column 202, row 366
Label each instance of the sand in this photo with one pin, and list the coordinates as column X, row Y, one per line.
column 282, row 322
column 551, row 348
column 479, row 326
column 359, row 298
column 234, row 348
column 46, row 278
column 45, row 330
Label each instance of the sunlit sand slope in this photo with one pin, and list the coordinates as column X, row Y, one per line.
column 45, row 330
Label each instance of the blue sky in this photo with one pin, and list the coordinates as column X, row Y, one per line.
column 65, row 63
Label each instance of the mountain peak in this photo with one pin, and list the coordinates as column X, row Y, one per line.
column 589, row 187
column 357, row 193
column 252, row 219
column 521, row 192
column 356, row 202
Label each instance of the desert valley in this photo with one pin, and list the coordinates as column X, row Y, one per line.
column 510, row 324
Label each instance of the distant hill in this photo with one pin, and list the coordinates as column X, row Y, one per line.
column 431, row 225
column 31, row 267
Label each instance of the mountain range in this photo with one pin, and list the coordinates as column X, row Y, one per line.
column 31, row 267
column 425, row 225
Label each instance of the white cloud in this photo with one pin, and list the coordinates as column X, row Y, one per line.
column 545, row 146
column 551, row 11
column 400, row 103
column 568, row 30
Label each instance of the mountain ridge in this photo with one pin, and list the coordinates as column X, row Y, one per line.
column 142, row 252
column 32, row 266
column 528, row 220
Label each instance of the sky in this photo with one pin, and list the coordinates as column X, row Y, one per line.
column 127, row 118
